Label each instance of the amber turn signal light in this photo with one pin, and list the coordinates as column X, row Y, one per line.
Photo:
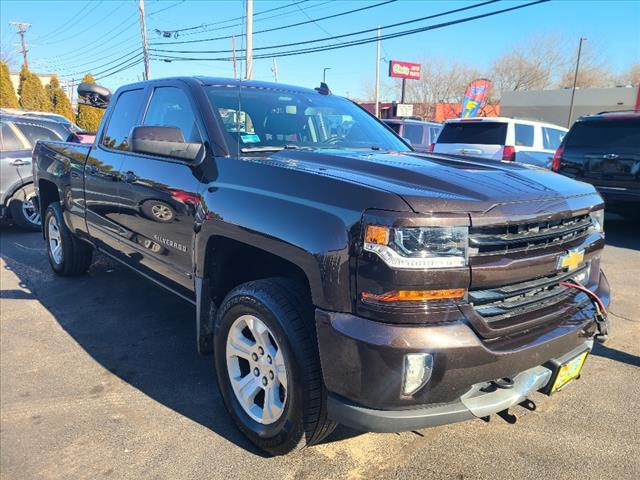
column 377, row 235
column 415, row 295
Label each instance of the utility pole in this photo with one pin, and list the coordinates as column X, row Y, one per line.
column 22, row 28
column 575, row 81
column 233, row 48
column 274, row 69
column 145, row 47
column 249, row 55
column 378, row 75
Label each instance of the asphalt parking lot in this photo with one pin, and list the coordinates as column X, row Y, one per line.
column 100, row 378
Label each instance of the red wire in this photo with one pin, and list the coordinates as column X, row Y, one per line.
column 582, row 288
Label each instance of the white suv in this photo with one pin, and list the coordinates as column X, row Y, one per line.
column 500, row 138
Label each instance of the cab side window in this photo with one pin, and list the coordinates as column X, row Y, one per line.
column 123, row 118
column 524, row 135
column 170, row 107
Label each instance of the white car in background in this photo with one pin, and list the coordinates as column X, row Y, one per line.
column 499, row 138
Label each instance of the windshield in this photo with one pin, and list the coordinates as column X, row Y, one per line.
column 270, row 120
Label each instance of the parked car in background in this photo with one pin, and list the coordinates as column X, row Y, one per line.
column 498, row 138
column 420, row 134
column 18, row 136
column 604, row 150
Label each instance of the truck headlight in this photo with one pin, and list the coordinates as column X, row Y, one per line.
column 597, row 220
column 418, row 248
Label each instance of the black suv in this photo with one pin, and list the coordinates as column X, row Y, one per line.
column 604, row 150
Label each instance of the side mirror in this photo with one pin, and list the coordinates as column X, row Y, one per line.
column 164, row 142
column 93, row 95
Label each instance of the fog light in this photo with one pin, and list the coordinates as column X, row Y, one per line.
column 417, row 371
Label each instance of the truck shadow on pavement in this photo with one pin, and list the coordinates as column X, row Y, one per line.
column 133, row 328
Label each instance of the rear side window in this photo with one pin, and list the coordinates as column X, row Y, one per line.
column 479, row 133
column 123, row 118
column 9, row 142
column 524, row 135
column 170, row 107
column 552, row 137
column 605, row 134
column 395, row 127
column 413, row 133
column 35, row 133
column 434, row 131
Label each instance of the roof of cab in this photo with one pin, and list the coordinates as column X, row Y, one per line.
column 229, row 82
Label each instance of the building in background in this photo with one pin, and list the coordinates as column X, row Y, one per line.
column 434, row 113
column 45, row 78
column 553, row 105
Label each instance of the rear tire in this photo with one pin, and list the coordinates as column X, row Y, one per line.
column 24, row 209
column 68, row 256
column 282, row 308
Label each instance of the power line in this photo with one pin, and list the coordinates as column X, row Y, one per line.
column 365, row 40
column 334, row 37
column 219, row 22
column 282, row 27
column 101, row 20
column 22, row 29
column 64, row 25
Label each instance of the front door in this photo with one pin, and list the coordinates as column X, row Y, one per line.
column 103, row 180
column 161, row 196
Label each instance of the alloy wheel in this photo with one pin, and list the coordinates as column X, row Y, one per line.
column 55, row 240
column 257, row 370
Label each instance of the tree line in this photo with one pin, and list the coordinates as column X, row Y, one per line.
column 33, row 96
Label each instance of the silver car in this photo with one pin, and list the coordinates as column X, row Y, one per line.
column 18, row 136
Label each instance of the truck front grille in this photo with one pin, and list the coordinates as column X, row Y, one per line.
column 501, row 304
column 527, row 236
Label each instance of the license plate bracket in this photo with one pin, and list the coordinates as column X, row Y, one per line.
column 564, row 372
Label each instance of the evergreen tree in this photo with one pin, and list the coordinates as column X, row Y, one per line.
column 32, row 94
column 8, row 98
column 59, row 100
column 89, row 118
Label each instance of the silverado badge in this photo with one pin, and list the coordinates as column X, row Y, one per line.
column 571, row 260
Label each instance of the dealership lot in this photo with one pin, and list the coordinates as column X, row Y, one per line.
column 100, row 378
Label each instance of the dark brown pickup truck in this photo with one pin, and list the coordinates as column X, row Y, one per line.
column 338, row 275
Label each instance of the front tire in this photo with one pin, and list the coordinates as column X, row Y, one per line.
column 68, row 256
column 268, row 365
column 24, row 209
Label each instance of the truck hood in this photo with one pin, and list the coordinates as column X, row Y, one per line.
column 437, row 183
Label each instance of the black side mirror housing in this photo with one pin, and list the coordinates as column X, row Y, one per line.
column 93, row 95
column 164, row 142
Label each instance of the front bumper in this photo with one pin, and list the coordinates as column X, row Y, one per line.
column 362, row 362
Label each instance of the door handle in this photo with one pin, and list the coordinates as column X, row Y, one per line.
column 18, row 162
column 130, row 177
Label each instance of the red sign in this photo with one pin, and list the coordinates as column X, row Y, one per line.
column 404, row 70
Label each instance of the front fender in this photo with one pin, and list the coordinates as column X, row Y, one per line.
column 316, row 238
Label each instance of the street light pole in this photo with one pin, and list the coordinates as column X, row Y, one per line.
column 377, row 110
column 324, row 74
column 575, row 81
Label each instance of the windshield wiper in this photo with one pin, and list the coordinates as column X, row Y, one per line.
column 261, row 149
column 268, row 148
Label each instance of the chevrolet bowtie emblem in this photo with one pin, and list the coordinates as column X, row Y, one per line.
column 571, row 260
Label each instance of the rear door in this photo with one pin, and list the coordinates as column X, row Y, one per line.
column 527, row 138
column 15, row 160
column 102, row 174
column 605, row 153
column 475, row 138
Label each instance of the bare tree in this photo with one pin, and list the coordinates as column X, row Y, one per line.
column 532, row 65
column 8, row 55
column 630, row 77
column 442, row 81
column 593, row 71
